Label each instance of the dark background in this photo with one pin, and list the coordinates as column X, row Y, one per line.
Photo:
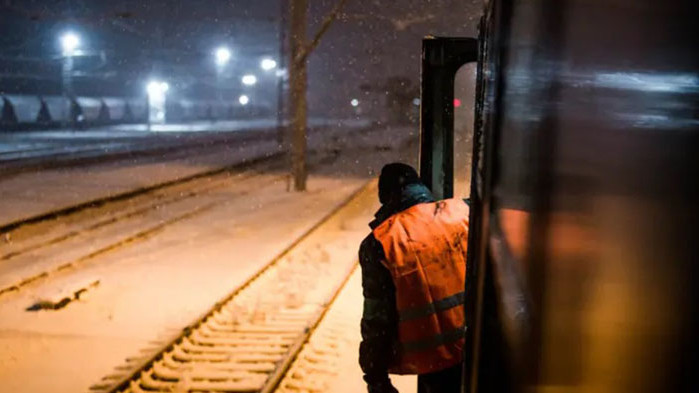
column 129, row 42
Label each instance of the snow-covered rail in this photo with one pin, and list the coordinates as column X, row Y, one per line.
column 38, row 250
column 248, row 341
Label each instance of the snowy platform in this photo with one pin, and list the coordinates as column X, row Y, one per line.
column 154, row 288
column 34, row 193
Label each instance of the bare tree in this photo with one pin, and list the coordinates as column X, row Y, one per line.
column 298, row 78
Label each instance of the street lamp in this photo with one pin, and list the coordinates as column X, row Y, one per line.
column 249, row 79
column 156, row 91
column 223, row 56
column 244, row 100
column 268, row 64
column 69, row 44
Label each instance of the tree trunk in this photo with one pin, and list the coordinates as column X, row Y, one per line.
column 297, row 92
column 281, row 79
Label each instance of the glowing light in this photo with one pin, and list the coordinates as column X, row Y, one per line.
column 268, row 64
column 244, row 100
column 69, row 42
column 157, row 89
column 416, row 101
column 354, row 102
column 156, row 100
column 223, row 56
column 457, row 103
column 249, row 79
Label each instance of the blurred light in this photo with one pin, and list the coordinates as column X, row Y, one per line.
column 249, row 79
column 157, row 89
column 354, row 102
column 281, row 72
column 457, row 103
column 156, row 100
column 416, row 101
column 223, row 56
column 268, row 64
column 69, row 43
column 652, row 82
column 243, row 99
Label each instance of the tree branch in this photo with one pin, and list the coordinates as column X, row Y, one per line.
column 398, row 24
column 329, row 19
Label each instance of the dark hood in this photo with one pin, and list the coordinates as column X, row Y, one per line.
column 411, row 195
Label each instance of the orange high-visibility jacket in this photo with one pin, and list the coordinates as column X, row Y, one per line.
column 425, row 249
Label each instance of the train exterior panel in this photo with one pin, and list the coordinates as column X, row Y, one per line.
column 590, row 190
column 582, row 270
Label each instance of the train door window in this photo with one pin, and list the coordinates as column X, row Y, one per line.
column 464, row 97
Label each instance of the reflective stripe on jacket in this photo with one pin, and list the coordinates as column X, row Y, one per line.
column 425, row 249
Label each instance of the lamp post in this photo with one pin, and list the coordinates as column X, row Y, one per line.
column 69, row 45
column 156, row 91
column 222, row 57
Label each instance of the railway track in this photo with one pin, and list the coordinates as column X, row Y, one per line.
column 37, row 250
column 322, row 365
column 15, row 163
column 248, row 341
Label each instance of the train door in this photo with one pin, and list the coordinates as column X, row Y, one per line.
column 444, row 132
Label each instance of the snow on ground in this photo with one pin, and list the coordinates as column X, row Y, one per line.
column 96, row 141
column 30, row 194
column 149, row 290
column 336, row 343
column 131, row 137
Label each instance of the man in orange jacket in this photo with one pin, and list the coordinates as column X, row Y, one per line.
column 413, row 272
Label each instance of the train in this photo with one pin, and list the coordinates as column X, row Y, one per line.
column 26, row 112
column 582, row 256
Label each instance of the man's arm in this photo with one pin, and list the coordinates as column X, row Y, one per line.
column 379, row 320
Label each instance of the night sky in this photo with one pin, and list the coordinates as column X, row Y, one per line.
column 133, row 40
